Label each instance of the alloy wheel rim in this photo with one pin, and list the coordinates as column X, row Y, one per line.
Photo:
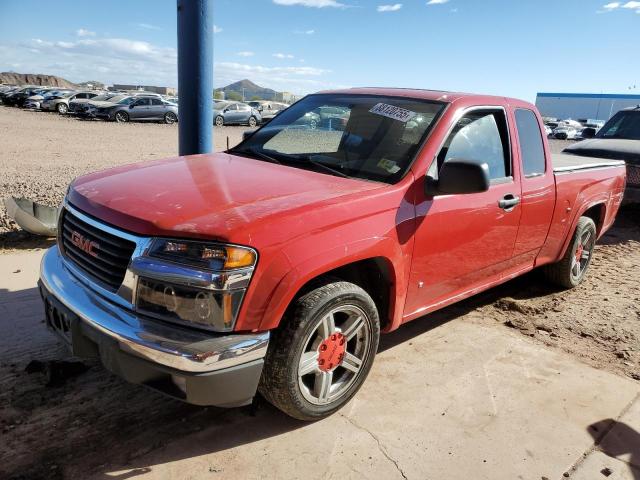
column 219, row 121
column 120, row 117
column 582, row 254
column 334, row 354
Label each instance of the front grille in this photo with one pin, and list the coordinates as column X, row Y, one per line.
column 633, row 175
column 100, row 254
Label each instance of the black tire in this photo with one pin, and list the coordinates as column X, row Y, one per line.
column 62, row 108
column 170, row 118
column 253, row 121
column 121, row 117
column 564, row 273
column 219, row 121
column 281, row 384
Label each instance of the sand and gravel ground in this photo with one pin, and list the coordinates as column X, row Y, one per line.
column 599, row 322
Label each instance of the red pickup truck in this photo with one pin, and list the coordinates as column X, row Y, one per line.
column 276, row 265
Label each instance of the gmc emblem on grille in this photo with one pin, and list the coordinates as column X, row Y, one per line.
column 84, row 244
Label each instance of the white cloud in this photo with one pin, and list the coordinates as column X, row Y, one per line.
column 85, row 33
column 217, row 29
column 304, row 32
column 147, row 26
column 389, row 8
column 283, row 55
column 311, row 3
column 632, row 5
column 437, row 2
column 611, row 6
column 245, row 54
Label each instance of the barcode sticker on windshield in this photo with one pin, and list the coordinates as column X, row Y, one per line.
column 390, row 111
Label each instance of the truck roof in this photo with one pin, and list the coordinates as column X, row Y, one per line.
column 433, row 95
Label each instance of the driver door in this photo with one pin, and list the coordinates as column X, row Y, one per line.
column 463, row 242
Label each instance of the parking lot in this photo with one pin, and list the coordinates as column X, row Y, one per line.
column 523, row 381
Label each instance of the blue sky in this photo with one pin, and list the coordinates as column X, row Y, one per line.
column 506, row 47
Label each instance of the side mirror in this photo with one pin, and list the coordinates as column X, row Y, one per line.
column 260, row 108
column 247, row 133
column 131, row 106
column 589, row 132
column 459, row 176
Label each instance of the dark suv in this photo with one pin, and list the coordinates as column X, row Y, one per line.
column 619, row 139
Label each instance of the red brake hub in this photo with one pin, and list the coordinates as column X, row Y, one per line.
column 331, row 352
column 579, row 252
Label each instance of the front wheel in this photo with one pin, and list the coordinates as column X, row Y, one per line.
column 219, row 121
column 62, row 108
column 572, row 269
column 121, row 117
column 170, row 118
column 253, row 121
column 322, row 353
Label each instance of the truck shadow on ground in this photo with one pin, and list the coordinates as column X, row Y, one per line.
column 615, row 439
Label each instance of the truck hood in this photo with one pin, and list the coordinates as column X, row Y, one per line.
column 215, row 196
column 611, row 148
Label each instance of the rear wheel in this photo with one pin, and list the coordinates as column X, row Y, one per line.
column 219, row 121
column 321, row 355
column 121, row 117
column 62, row 108
column 170, row 117
column 572, row 269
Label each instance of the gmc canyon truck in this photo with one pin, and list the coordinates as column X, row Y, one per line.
column 276, row 265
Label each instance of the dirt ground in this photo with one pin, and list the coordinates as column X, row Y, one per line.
column 52, row 416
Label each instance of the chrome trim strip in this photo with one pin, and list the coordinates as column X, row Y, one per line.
column 590, row 166
column 174, row 273
column 185, row 349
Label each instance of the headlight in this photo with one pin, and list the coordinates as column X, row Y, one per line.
column 208, row 308
column 193, row 282
column 210, row 256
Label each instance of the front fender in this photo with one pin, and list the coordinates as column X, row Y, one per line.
column 322, row 262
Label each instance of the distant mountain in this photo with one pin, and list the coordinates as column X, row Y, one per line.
column 35, row 79
column 251, row 90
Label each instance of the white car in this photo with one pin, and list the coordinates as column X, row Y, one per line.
column 566, row 132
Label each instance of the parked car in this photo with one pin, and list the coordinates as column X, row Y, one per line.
column 565, row 132
column 60, row 103
column 235, row 113
column 81, row 106
column 137, row 108
column 267, row 109
column 19, row 96
column 548, row 131
column 35, row 101
column 276, row 265
column 618, row 139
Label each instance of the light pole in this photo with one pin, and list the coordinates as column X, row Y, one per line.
column 195, row 76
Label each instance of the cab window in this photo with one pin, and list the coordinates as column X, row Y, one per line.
column 531, row 146
column 481, row 136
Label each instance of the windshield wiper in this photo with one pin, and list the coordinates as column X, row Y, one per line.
column 257, row 153
column 327, row 168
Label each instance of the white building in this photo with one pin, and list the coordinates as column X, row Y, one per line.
column 597, row 106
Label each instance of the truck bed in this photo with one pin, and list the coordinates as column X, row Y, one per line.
column 563, row 162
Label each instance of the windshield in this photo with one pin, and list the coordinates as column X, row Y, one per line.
column 363, row 136
column 623, row 125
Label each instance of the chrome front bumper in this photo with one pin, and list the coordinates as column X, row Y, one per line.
column 184, row 349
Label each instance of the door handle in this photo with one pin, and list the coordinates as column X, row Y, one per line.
column 508, row 202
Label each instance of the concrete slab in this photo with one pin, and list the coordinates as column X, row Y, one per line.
column 600, row 466
column 461, row 401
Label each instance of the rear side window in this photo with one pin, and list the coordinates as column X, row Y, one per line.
column 531, row 146
column 156, row 101
column 481, row 136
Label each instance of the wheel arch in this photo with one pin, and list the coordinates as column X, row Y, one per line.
column 595, row 210
column 376, row 275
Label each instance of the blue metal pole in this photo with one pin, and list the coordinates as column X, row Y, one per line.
column 195, row 76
